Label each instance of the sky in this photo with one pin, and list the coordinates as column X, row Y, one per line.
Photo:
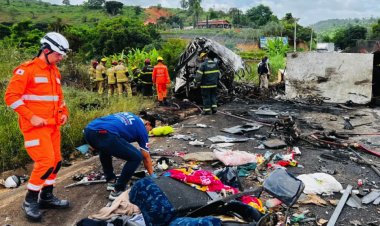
column 309, row 11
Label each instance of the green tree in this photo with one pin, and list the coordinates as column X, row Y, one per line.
column 236, row 16
column 212, row 14
column 138, row 10
column 194, row 8
column 95, row 4
column 66, row 2
column 4, row 31
column 58, row 25
column 375, row 29
column 113, row 7
column 347, row 37
column 259, row 15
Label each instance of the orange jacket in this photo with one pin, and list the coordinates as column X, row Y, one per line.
column 35, row 89
column 160, row 74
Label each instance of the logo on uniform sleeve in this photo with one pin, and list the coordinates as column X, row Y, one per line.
column 20, row 72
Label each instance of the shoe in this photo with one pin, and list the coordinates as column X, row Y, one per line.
column 110, row 186
column 53, row 203
column 114, row 194
column 48, row 201
column 214, row 111
column 32, row 210
column 206, row 113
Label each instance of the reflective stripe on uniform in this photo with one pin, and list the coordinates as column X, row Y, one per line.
column 213, row 71
column 41, row 80
column 208, row 72
column 33, row 187
column 210, row 86
column 49, row 182
column 16, row 104
column 32, row 143
column 40, row 98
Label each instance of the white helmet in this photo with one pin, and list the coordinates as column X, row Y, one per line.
column 12, row 182
column 56, row 42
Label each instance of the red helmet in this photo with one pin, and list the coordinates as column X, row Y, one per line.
column 114, row 62
column 147, row 61
column 95, row 62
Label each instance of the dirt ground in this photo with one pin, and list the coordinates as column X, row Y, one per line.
column 86, row 200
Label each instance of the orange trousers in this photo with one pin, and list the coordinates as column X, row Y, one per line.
column 43, row 145
column 162, row 91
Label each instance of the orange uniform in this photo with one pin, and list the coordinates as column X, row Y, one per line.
column 35, row 90
column 160, row 77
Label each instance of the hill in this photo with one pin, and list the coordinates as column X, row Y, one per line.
column 330, row 25
column 42, row 12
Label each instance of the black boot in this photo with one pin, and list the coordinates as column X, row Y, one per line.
column 48, row 200
column 31, row 206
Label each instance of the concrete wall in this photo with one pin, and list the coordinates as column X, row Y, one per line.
column 337, row 76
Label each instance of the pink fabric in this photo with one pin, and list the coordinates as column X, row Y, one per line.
column 235, row 158
column 203, row 178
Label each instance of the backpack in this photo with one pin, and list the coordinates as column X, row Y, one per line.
column 262, row 68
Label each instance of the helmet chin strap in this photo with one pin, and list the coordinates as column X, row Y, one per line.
column 43, row 47
column 46, row 56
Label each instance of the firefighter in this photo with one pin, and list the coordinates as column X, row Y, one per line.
column 145, row 79
column 208, row 74
column 111, row 79
column 161, row 79
column 92, row 73
column 100, row 74
column 122, row 79
column 35, row 93
column 135, row 85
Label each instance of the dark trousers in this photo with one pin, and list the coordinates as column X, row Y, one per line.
column 208, row 98
column 147, row 90
column 110, row 145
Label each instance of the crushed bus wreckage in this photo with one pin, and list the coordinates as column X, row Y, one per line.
column 230, row 65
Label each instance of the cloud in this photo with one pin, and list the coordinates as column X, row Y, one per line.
column 309, row 11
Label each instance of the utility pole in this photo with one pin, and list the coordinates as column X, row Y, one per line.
column 311, row 39
column 295, row 34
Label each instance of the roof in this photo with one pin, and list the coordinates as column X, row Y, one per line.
column 213, row 22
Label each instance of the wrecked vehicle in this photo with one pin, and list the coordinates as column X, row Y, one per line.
column 230, row 65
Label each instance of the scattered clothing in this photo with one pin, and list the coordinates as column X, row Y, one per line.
column 235, row 158
column 120, row 206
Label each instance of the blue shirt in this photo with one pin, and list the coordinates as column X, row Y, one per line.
column 123, row 124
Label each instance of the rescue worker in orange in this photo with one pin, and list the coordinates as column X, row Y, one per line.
column 35, row 93
column 161, row 79
column 122, row 79
column 100, row 74
column 111, row 76
column 92, row 73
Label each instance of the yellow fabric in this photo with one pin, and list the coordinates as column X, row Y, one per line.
column 111, row 75
column 100, row 70
column 121, row 71
column 91, row 73
column 161, row 131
